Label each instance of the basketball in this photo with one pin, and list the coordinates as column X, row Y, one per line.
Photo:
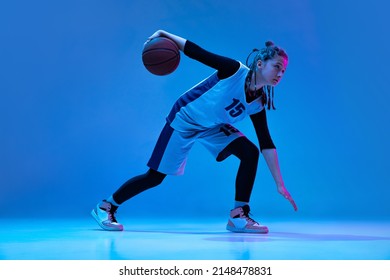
column 161, row 56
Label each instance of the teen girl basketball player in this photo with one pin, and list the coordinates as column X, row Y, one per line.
column 205, row 114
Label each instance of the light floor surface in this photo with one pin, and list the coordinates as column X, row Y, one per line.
column 156, row 239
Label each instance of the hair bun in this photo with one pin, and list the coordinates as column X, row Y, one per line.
column 269, row 44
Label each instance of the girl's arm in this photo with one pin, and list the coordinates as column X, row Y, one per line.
column 225, row 66
column 270, row 155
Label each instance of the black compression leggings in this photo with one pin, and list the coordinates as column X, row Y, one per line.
column 137, row 185
column 248, row 154
column 242, row 148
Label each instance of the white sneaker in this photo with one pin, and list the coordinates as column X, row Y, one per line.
column 239, row 221
column 104, row 214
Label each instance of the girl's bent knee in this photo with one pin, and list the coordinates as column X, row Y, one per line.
column 155, row 177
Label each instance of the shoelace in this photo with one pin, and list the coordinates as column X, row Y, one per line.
column 111, row 216
column 246, row 215
column 110, row 211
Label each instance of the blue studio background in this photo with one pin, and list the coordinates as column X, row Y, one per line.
column 79, row 114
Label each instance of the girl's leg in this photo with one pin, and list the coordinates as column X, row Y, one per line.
column 137, row 185
column 104, row 212
column 169, row 156
column 248, row 154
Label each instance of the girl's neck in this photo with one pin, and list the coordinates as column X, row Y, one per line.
column 256, row 82
column 252, row 95
column 253, row 90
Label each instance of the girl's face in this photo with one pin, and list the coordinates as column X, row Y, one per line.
column 272, row 70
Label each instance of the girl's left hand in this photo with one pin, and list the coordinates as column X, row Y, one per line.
column 284, row 192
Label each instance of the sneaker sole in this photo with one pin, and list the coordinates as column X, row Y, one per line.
column 263, row 230
column 104, row 226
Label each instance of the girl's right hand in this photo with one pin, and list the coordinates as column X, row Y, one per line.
column 180, row 42
column 158, row 33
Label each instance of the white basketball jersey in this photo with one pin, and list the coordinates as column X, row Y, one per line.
column 213, row 102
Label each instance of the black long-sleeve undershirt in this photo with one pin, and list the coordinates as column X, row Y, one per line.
column 225, row 66
column 259, row 121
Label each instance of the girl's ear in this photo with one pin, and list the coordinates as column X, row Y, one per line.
column 259, row 63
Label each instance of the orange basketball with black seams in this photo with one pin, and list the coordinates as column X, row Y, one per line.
column 161, row 56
